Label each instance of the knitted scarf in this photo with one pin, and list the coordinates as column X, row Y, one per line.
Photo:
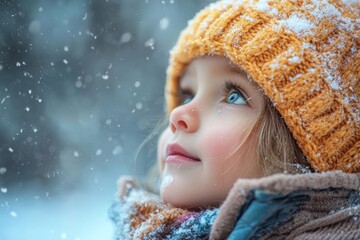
column 141, row 215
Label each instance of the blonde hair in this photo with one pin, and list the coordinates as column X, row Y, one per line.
column 277, row 149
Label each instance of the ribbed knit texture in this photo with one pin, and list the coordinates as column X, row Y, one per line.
column 304, row 54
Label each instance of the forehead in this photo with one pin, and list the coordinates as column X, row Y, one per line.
column 213, row 64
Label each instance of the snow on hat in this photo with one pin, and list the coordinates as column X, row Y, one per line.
column 304, row 54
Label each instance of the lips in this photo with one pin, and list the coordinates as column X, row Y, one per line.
column 175, row 153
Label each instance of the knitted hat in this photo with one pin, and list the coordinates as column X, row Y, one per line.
column 304, row 54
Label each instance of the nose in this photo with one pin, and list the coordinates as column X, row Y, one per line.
column 184, row 118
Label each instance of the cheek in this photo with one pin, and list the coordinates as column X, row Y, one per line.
column 230, row 153
column 220, row 142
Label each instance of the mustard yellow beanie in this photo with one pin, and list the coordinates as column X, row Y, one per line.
column 304, row 54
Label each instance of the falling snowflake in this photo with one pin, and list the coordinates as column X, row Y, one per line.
column 126, row 37
column 78, row 84
column 117, row 150
column 164, row 23
column 150, row 43
column 2, row 170
column 139, row 106
column 98, row 152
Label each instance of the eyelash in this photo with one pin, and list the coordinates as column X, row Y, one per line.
column 184, row 94
column 228, row 87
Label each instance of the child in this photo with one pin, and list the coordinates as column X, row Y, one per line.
column 263, row 136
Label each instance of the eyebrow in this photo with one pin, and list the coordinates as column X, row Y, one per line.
column 234, row 69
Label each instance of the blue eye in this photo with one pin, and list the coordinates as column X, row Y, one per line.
column 185, row 96
column 235, row 98
column 187, row 100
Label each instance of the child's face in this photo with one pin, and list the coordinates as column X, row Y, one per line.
column 210, row 140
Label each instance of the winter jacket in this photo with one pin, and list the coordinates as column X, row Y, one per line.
column 304, row 206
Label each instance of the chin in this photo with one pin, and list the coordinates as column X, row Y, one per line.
column 175, row 200
column 170, row 198
column 179, row 201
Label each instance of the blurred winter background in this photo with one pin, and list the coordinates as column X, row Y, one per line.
column 81, row 86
